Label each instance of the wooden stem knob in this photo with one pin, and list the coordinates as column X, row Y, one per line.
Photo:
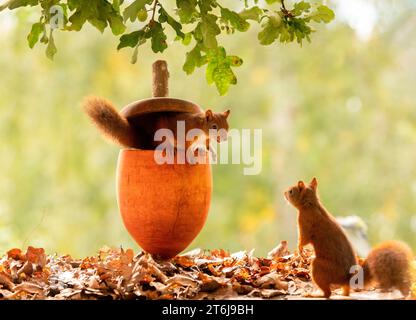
column 160, row 79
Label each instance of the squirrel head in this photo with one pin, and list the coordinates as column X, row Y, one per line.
column 301, row 195
column 217, row 121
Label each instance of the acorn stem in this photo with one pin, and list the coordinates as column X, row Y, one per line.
column 160, row 79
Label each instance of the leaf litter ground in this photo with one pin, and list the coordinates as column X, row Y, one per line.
column 198, row 274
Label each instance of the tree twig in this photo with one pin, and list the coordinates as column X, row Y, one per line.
column 152, row 19
column 286, row 12
column 283, row 5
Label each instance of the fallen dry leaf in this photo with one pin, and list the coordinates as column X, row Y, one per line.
column 15, row 254
column 6, row 281
column 280, row 251
column 272, row 281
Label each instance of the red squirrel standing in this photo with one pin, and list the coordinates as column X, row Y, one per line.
column 388, row 265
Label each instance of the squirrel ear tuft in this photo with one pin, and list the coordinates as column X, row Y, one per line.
column 314, row 183
column 227, row 113
column 209, row 115
column 301, row 185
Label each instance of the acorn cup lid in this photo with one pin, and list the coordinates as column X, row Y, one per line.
column 160, row 101
column 161, row 104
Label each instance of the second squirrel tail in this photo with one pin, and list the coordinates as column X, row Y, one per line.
column 110, row 122
column 389, row 266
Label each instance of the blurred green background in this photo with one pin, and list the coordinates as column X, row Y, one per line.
column 342, row 108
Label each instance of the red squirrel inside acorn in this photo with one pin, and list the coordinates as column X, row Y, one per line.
column 138, row 132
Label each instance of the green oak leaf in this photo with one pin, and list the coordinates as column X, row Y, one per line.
column 158, row 38
column 209, row 30
column 51, row 48
column 286, row 35
column 271, row 30
column 206, row 6
column 132, row 39
column 98, row 23
column 107, row 14
column 133, row 9
column 234, row 19
column 13, row 4
column 73, row 4
column 253, row 13
column 187, row 39
column 165, row 17
column 116, row 23
column 235, row 61
column 186, row 10
column 135, row 40
column 83, row 12
column 194, row 59
column 98, row 13
column 300, row 30
column 77, row 19
column 33, row 37
column 47, row 4
column 116, row 5
column 322, row 14
column 300, row 7
column 219, row 69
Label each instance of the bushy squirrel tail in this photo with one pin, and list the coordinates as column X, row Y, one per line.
column 110, row 122
column 389, row 266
